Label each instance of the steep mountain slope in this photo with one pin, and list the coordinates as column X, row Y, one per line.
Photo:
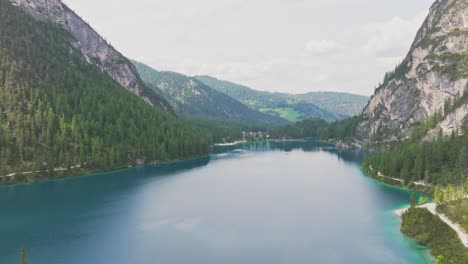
column 93, row 46
column 190, row 97
column 431, row 81
column 324, row 105
column 58, row 111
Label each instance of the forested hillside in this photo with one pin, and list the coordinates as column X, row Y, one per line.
column 192, row 98
column 428, row 230
column 344, row 104
column 58, row 110
column 94, row 47
column 344, row 130
column 438, row 159
column 441, row 161
column 329, row 106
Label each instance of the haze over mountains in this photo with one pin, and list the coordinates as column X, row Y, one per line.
column 208, row 97
column 294, row 107
column 190, row 97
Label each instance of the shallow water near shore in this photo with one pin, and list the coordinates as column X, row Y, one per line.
column 291, row 202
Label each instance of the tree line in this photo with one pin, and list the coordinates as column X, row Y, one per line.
column 318, row 129
column 58, row 110
column 441, row 161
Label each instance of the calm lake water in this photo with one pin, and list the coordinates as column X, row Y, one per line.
column 254, row 203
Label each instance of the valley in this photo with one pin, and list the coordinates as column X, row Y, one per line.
column 185, row 166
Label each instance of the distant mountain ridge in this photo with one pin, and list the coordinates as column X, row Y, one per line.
column 339, row 103
column 192, row 98
column 325, row 105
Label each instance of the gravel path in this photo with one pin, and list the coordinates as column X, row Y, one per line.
column 432, row 208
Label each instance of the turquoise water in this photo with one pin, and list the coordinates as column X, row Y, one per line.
column 254, row 203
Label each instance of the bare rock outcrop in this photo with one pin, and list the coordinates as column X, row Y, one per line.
column 94, row 47
column 434, row 71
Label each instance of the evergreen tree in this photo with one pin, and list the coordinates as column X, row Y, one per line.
column 412, row 199
column 58, row 111
column 449, row 193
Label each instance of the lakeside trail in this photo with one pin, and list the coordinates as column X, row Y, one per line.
column 230, row 144
column 422, row 183
column 31, row 172
column 431, row 207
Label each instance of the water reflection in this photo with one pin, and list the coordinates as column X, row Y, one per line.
column 348, row 155
column 263, row 202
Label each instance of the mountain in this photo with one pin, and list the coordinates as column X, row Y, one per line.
column 59, row 112
column 190, row 97
column 431, row 82
column 325, row 105
column 344, row 104
column 95, row 49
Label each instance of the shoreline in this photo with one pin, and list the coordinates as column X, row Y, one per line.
column 30, row 177
column 80, row 171
column 418, row 186
column 230, row 143
column 401, row 211
column 397, row 212
column 431, row 207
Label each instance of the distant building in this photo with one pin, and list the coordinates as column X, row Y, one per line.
column 254, row 135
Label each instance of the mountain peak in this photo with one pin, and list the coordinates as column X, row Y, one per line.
column 94, row 47
column 434, row 72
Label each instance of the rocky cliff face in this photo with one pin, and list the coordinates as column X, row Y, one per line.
column 434, row 71
column 93, row 46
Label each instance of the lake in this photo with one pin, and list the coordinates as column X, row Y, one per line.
column 293, row 202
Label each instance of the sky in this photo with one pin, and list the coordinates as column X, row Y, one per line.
column 292, row 46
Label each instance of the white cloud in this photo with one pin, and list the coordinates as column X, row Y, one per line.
column 229, row 70
column 240, row 70
column 322, row 47
column 391, row 38
column 389, row 62
column 263, row 43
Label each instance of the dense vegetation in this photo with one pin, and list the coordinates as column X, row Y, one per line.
column 318, row 129
column 429, row 230
column 57, row 110
column 343, row 104
column 329, row 106
column 442, row 160
column 439, row 160
column 456, row 210
column 226, row 132
column 192, row 98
